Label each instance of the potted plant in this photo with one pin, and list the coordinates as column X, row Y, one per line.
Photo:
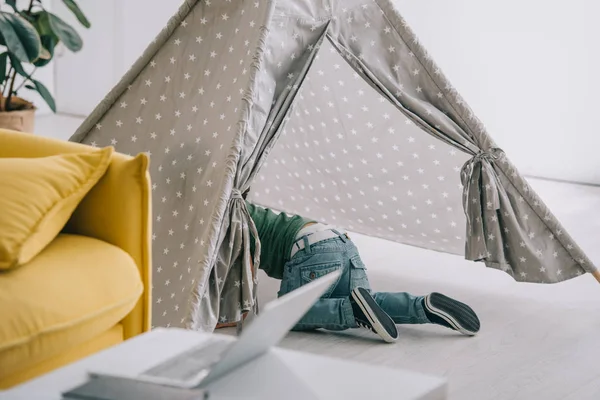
column 30, row 34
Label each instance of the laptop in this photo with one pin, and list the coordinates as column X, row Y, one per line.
column 216, row 357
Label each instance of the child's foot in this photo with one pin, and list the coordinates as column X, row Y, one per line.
column 453, row 314
column 368, row 314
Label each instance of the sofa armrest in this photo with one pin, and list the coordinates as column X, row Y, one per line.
column 117, row 210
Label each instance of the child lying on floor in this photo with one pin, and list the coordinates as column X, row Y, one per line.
column 297, row 250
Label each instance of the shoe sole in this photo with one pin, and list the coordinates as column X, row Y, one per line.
column 459, row 315
column 376, row 316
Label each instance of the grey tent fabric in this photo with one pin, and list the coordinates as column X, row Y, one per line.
column 330, row 109
column 234, row 258
column 187, row 103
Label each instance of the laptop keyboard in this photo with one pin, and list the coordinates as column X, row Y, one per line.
column 191, row 363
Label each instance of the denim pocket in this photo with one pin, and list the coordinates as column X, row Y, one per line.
column 358, row 274
column 309, row 273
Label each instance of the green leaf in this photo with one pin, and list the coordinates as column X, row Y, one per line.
column 78, row 13
column 45, row 54
column 42, row 23
column 16, row 64
column 48, row 45
column 3, row 62
column 65, row 33
column 28, row 16
column 12, row 3
column 20, row 36
column 28, row 35
column 28, row 86
column 45, row 93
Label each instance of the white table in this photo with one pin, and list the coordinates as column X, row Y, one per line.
column 277, row 375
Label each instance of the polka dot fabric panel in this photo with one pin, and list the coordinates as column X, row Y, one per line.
column 348, row 157
column 184, row 109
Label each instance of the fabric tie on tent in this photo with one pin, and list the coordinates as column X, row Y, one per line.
column 236, row 194
column 240, row 206
column 238, row 198
column 480, row 189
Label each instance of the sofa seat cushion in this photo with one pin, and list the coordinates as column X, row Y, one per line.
column 76, row 288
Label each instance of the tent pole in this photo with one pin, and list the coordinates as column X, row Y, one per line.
column 596, row 274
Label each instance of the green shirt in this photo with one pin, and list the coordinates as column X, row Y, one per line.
column 277, row 234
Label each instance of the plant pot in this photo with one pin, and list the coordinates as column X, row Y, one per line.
column 22, row 119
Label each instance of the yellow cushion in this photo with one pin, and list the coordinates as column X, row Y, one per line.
column 75, row 289
column 38, row 197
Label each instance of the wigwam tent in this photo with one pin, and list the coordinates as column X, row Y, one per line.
column 327, row 108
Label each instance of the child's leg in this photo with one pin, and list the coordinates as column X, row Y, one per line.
column 334, row 314
column 435, row 308
column 404, row 308
column 338, row 308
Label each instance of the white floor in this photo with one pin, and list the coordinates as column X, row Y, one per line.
column 537, row 341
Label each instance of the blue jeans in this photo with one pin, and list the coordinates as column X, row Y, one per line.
column 333, row 310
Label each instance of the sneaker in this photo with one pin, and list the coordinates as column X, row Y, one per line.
column 368, row 314
column 453, row 314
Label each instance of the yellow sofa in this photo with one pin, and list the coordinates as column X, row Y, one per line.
column 90, row 288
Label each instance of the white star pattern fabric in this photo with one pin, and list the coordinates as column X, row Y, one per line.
column 329, row 164
column 183, row 110
column 328, row 109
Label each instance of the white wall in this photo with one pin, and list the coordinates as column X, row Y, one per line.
column 531, row 71
column 83, row 78
column 121, row 30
